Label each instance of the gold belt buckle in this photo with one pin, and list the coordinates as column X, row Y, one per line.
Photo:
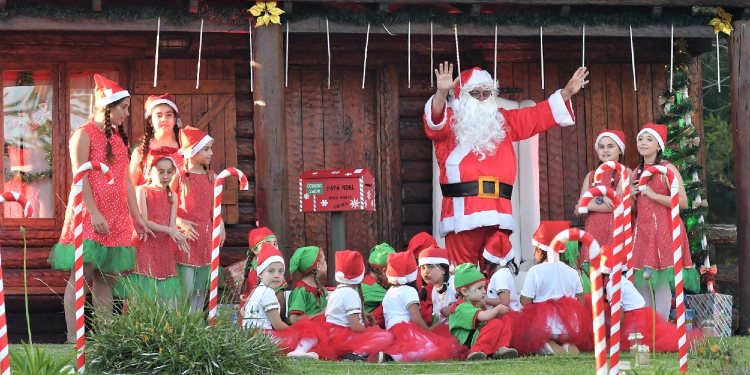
column 494, row 180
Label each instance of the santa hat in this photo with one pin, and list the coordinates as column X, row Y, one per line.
column 107, row 91
column 658, row 131
column 154, row 100
column 268, row 254
column 304, row 259
column 419, row 242
column 193, row 140
column 379, row 255
column 610, row 259
column 256, row 236
column 19, row 159
column 433, row 255
column 350, row 267
column 402, row 268
column 467, row 274
column 472, row 78
column 498, row 249
column 616, row 135
column 546, row 233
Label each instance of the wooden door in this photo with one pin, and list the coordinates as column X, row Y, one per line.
column 211, row 107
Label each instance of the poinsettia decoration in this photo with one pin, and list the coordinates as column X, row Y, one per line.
column 723, row 22
column 266, row 13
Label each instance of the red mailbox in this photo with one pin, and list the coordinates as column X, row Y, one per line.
column 337, row 190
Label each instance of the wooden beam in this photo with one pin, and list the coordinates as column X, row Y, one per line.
column 565, row 10
column 476, row 10
column 656, row 12
column 288, row 7
column 676, row 3
column 739, row 60
column 96, row 5
column 388, row 189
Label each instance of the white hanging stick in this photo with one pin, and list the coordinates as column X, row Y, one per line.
column 250, row 33
column 364, row 66
column 632, row 59
column 718, row 67
column 671, row 60
column 286, row 58
column 541, row 49
column 494, row 69
column 583, row 45
column 328, row 46
column 409, row 57
column 200, row 50
column 156, row 55
column 458, row 57
column 432, row 76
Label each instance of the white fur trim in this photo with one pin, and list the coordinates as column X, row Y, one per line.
column 401, row 280
column 22, row 168
column 655, row 134
column 340, row 277
column 477, row 78
column 153, row 104
column 428, row 115
column 102, row 102
column 498, row 260
column 614, row 138
column 433, row 260
column 540, row 245
column 262, row 267
column 562, row 111
column 195, row 149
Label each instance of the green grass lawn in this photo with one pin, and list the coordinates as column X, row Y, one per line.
column 717, row 356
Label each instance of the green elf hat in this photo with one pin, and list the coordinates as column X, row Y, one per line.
column 304, row 259
column 379, row 255
column 466, row 275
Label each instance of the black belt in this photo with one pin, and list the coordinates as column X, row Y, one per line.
column 485, row 187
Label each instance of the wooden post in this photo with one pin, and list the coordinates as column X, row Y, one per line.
column 272, row 192
column 739, row 58
column 388, row 173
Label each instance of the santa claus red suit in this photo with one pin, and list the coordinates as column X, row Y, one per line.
column 473, row 142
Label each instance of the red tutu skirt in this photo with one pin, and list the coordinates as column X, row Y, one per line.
column 641, row 320
column 342, row 340
column 303, row 329
column 414, row 344
column 531, row 328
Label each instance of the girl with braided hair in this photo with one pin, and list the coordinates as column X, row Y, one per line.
column 160, row 137
column 110, row 211
column 375, row 283
column 308, row 299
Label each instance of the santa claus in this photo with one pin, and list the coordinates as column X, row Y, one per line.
column 473, row 141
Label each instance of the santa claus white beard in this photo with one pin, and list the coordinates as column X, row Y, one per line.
column 478, row 125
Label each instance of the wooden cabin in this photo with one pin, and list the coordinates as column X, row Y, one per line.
column 287, row 118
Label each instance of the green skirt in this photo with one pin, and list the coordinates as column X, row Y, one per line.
column 200, row 277
column 141, row 285
column 111, row 260
column 690, row 276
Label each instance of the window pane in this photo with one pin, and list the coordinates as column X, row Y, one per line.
column 27, row 125
column 81, row 92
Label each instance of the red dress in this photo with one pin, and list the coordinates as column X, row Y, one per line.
column 599, row 224
column 197, row 206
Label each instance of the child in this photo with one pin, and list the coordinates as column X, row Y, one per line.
column 308, row 299
column 435, row 271
column 155, row 270
column 553, row 311
column 261, row 311
column 255, row 237
column 419, row 242
column 500, row 266
column 348, row 337
column 161, row 136
column 196, row 206
column 652, row 236
column 482, row 331
column 375, row 283
column 413, row 340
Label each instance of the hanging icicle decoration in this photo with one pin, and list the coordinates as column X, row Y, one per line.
column 718, row 67
column 250, row 33
column 632, row 59
column 541, row 52
column 458, row 57
column 364, row 66
column 671, row 60
column 328, row 47
column 494, row 55
column 286, row 57
column 408, row 47
column 156, row 54
column 432, row 58
column 200, row 50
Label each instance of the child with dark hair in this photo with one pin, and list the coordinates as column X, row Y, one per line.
column 161, row 136
column 501, row 268
column 308, row 299
column 435, row 271
column 375, row 283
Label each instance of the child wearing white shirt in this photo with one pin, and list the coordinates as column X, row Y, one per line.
column 435, row 271
column 501, row 268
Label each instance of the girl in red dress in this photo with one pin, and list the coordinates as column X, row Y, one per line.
column 160, row 137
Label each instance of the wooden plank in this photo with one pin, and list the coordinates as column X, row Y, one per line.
column 186, row 86
column 416, row 150
column 185, row 107
column 629, row 113
column 659, row 84
column 417, row 214
column 313, row 149
column 555, row 175
column 570, row 150
column 35, row 277
column 245, row 127
column 295, row 157
column 416, row 171
column 182, row 70
column 36, row 257
column 645, row 103
column 215, row 116
column 390, row 173
column 411, row 128
column 230, row 157
column 417, row 192
column 532, row 72
column 334, row 139
column 695, row 93
column 598, row 83
column 613, row 90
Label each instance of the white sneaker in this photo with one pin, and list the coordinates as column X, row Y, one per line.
column 304, row 355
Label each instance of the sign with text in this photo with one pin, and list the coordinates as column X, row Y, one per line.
column 337, row 190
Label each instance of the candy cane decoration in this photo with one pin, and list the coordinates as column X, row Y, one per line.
column 617, row 240
column 78, row 268
column 613, row 166
column 213, row 298
column 597, row 289
column 677, row 253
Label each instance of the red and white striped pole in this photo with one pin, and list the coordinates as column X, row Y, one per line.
column 614, row 166
column 213, row 297
column 597, row 290
column 677, row 254
column 8, row 196
column 78, row 267
column 616, row 302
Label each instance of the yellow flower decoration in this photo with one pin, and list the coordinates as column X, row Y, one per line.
column 266, row 13
column 722, row 23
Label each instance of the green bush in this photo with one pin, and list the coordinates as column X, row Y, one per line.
column 35, row 360
column 158, row 338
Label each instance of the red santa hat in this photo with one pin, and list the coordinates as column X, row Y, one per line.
column 472, row 78
column 350, row 267
column 498, row 249
column 658, row 131
column 258, row 235
column 19, row 159
column 107, row 91
column 154, row 100
column 402, row 268
column 433, row 255
column 546, row 233
column 419, row 242
column 268, row 254
column 193, row 140
column 616, row 135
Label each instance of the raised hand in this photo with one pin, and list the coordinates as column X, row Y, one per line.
column 577, row 81
column 444, row 77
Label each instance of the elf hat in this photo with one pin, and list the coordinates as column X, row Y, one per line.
column 350, row 267
column 256, row 236
column 107, row 91
column 433, row 255
column 546, row 233
column 402, row 268
column 498, row 249
column 419, row 242
column 304, row 259
column 616, row 135
column 467, row 274
column 379, row 255
column 154, row 100
column 471, row 79
column 193, row 140
column 658, row 131
column 268, row 254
